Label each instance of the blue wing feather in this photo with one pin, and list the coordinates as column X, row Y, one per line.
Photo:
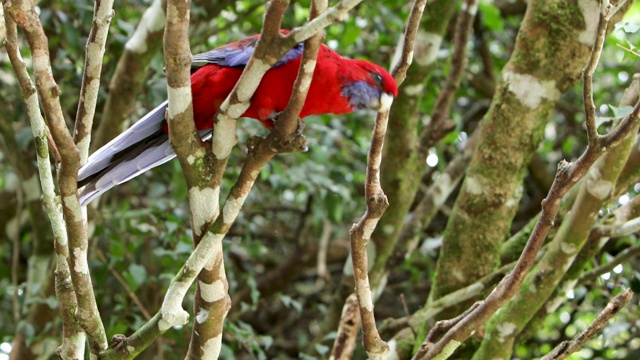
column 237, row 54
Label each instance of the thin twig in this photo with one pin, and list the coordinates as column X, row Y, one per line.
column 94, row 53
column 587, row 84
column 124, row 284
column 566, row 348
column 345, row 341
column 15, row 258
column 323, row 249
column 624, row 255
column 376, row 200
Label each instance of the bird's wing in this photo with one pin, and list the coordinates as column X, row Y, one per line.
column 237, row 54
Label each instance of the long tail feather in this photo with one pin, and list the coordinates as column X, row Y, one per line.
column 148, row 125
column 140, row 148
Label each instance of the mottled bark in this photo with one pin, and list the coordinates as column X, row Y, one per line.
column 556, row 265
column 567, row 176
column 551, row 49
column 94, row 54
column 73, row 336
column 39, row 282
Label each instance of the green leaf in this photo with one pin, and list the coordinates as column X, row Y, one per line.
column 335, row 207
column 138, row 273
column 621, row 112
column 255, row 293
column 291, row 303
column 267, row 341
column 491, row 17
column 350, row 35
column 602, row 120
column 321, row 349
column 628, row 27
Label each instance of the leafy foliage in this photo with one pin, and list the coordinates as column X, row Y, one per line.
column 145, row 234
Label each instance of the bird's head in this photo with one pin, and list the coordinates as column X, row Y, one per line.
column 365, row 83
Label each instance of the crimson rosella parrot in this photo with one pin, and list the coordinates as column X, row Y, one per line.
column 338, row 86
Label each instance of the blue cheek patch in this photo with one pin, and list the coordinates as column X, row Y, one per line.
column 361, row 94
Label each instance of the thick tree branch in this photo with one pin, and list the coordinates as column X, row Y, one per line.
column 73, row 337
column 568, row 174
column 24, row 14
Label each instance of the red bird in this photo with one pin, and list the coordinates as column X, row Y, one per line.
column 338, row 86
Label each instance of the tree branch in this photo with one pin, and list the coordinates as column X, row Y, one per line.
column 25, row 16
column 566, row 348
column 376, row 200
column 625, row 255
column 94, row 53
column 270, row 48
column 568, row 174
column 345, row 341
column 73, row 337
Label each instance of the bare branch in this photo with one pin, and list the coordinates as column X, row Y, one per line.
column 361, row 234
column 405, row 48
column 73, row 337
column 376, row 200
column 567, row 348
column 624, row 255
column 182, row 129
column 94, row 53
column 587, row 84
column 345, row 341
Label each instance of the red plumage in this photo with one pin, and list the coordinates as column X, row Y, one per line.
column 212, row 83
column 338, row 86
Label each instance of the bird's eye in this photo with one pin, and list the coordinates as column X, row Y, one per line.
column 377, row 79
